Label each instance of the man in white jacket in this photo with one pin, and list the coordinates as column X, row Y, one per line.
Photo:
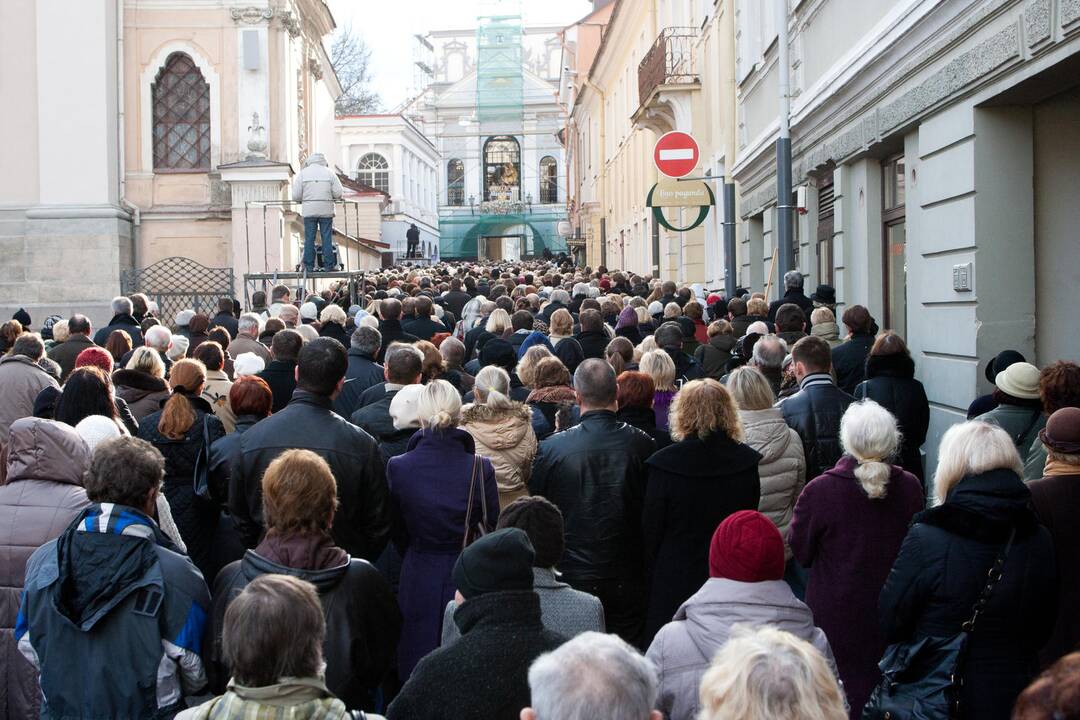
column 317, row 186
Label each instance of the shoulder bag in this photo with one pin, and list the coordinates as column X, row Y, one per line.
column 202, row 464
column 474, row 532
column 922, row 678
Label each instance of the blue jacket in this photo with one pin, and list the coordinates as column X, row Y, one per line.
column 113, row 618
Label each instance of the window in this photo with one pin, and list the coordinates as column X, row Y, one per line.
column 374, row 171
column 455, row 183
column 181, row 116
column 549, row 181
column 502, row 169
column 894, row 235
column 825, row 229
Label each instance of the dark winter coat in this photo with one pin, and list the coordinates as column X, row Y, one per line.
column 66, row 352
column 739, row 323
column 890, row 382
column 362, row 523
column 455, row 301
column 484, row 675
column 225, row 451
column 794, row 296
column 227, row 321
column 593, row 343
column 196, row 519
column 120, row 322
column 363, row 368
column 362, row 620
column 849, row 360
column 631, row 333
column 714, row 355
column 42, row 495
column 814, row 412
column 392, row 331
column 1056, row 501
column 941, row 570
column 644, row 419
column 848, row 542
column 429, row 497
column 686, row 368
column 336, row 331
column 375, row 420
column 280, row 375
column 595, row 473
column 693, row 485
column 425, row 328
column 143, row 393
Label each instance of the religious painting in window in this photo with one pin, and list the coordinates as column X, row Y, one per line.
column 181, row 111
column 549, row 181
column 502, row 170
column 894, row 236
column 455, row 183
column 374, row 171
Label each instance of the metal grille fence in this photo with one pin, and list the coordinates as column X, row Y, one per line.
column 179, row 283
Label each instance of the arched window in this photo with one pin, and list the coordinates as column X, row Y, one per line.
column 549, row 181
column 374, row 171
column 502, row 169
column 455, row 183
column 181, row 101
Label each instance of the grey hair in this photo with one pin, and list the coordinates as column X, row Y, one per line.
column 147, row 360
column 560, row 296
column 492, row 388
column 247, row 323
column 367, row 340
column 439, row 405
column 793, row 279
column 121, row 305
column 158, row 337
column 869, row 434
column 769, row 352
column 970, row 448
column 595, row 383
column 593, row 676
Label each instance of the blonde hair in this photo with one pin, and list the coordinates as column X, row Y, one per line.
column 868, row 433
column 186, row 379
column 492, row 387
column 562, row 323
column 672, row 310
column 822, row 315
column 498, row 322
column 767, row 673
column 658, row 365
column 332, row 313
column 970, row 448
column 757, row 306
column 526, row 366
column 702, row 408
column 719, row 327
column 439, row 406
column 647, row 344
column 147, row 360
column 60, row 331
column 299, row 493
column 643, row 316
column 750, row 389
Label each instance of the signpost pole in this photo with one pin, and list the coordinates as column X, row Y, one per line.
column 729, row 239
column 784, row 209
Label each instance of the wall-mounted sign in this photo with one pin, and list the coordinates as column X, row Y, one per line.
column 676, row 154
column 671, row 194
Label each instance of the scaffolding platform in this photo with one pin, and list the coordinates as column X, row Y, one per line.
column 303, row 283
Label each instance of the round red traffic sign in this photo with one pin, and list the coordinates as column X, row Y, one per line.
column 676, row 154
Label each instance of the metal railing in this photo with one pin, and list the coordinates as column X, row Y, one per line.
column 670, row 61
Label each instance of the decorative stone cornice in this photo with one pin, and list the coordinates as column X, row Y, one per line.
column 315, row 67
column 251, row 15
column 290, row 23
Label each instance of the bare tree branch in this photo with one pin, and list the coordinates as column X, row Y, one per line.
column 351, row 58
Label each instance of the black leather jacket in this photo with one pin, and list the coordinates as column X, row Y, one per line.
column 362, row 524
column 595, row 473
column 814, row 412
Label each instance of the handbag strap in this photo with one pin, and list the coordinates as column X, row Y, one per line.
column 468, row 506
column 992, row 578
column 1034, row 419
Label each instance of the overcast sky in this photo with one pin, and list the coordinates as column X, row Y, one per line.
column 388, row 27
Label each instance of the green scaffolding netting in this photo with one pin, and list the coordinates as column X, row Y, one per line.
column 467, row 236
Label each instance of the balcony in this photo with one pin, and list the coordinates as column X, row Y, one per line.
column 667, row 73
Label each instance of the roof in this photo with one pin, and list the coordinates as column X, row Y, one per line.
column 376, row 245
column 357, row 186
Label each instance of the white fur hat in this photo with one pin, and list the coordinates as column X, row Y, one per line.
column 309, row 311
column 96, row 429
column 248, row 364
column 405, row 407
column 179, row 348
column 184, row 317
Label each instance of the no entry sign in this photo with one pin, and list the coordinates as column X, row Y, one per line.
column 676, row 154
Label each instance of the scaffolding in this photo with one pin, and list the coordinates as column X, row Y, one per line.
column 501, row 223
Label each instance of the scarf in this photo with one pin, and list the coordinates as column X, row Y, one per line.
column 1058, row 467
column 301, row 551
column 291, row 698
column 553, row 394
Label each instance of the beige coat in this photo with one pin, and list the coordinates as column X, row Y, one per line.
column 216, row 392
column 782, row 468
column 506, row 437
column 21, row 379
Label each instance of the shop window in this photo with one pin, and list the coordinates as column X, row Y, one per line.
column 894, row 236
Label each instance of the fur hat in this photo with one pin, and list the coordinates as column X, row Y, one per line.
column 248, row 364
column 179, row 347
column 96, row 429
column 309, row 311
column 184, row 317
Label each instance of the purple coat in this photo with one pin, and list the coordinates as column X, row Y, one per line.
column 429, row 491
column 849, row 543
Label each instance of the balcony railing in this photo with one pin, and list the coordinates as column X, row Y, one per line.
column 670, row 61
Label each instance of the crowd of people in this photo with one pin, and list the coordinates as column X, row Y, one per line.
column 530, row 491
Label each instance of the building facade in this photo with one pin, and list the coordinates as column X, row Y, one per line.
column 150, row 129
column 389, row 153
column 635, row 70
column 937, row 145
column 488, row 102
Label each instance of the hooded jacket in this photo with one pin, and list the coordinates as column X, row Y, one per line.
column 504, row 436
column 43, row 494
column 942, row 568
column 111, row 595
column 684, row 648
column 143, row 392
column 713, row 355
column 782, row 468
column 316, row 186
column 362, row 620
column 828, row 331
column 21, row 380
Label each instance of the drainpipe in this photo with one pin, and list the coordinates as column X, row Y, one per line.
column 603, row 170
column 136, row 215
column 784, row 209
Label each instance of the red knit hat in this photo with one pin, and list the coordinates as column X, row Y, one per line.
column 747, row 547
column 96, row 357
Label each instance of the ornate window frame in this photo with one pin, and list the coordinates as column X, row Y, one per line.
column 146, row 101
